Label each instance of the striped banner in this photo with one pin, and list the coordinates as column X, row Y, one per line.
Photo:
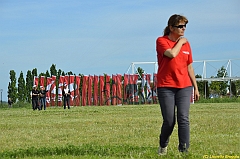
column 77, row 91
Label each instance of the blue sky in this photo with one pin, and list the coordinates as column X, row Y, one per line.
column 96, row 37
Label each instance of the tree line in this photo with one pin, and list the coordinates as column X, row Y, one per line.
column 19, row 88
column 219, row 88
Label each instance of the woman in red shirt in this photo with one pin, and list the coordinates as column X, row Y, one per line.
column 175, row 80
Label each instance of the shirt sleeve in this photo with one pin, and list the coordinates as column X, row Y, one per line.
column 162, row 45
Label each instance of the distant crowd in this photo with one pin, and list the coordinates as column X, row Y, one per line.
column 39, row 97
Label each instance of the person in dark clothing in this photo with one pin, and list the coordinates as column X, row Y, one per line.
column 42, row 95
column 10, row 102
column 35, row 101
column 66, row 96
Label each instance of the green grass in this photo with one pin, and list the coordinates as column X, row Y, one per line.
column 220, row 100
column 115, row 132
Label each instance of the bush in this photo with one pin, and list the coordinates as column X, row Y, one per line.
column 18, row 104
column 219, row 100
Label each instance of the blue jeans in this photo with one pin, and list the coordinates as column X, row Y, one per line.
column 43, row 103
column 171, row 99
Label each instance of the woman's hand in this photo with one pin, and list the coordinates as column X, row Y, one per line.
column 196, row 95
column 183, row 40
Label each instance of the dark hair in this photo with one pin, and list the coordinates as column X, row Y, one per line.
column 174, row 20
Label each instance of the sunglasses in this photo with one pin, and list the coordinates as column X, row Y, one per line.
column 180, row 26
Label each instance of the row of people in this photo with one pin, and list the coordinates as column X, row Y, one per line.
column 39, row 97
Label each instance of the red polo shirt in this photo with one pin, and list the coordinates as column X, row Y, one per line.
column 173, row 72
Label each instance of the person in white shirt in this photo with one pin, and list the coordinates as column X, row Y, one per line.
column 66, row 96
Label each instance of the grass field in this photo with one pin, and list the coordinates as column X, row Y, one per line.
column 112, row 132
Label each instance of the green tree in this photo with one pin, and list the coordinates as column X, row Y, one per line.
column 59, row 73
column 222, row 72
column 47, row 74
column 215, row 87
column 57, row 82
column 12, row 89
column 29, row 84
column 223, row 84
column 34, row 72
column 53, row 70
column 237, row 84
column 140, row 71
column 202, row 87
column 42, row 74
column 21, row 88
column 233, row 88
column 220, row 87
column 69, row 73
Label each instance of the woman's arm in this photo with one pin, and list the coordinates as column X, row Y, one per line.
column 171, row 53
column 194, row 82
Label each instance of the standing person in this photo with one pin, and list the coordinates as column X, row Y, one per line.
column 175, row 80
column 66, row 96
column 43, row 97
column 35, row 100
column 10, row 102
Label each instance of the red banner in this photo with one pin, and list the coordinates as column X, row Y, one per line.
column 114, row 90
column 154, row 89
column 149, row 90
column 90, row 82
column 95, row 93
column 71, row 88
column 42, row 81
column 48, row 89
column 53, row 91
column 84, row 90
column 131, row 89
column 142, row 94
column 107, row 90
column 119, row 89
column 77, row 93
column 135, row 86
column 60, row 88
column 126, row 81
column 101, row 89
column 66, row 79
column 35, row 82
